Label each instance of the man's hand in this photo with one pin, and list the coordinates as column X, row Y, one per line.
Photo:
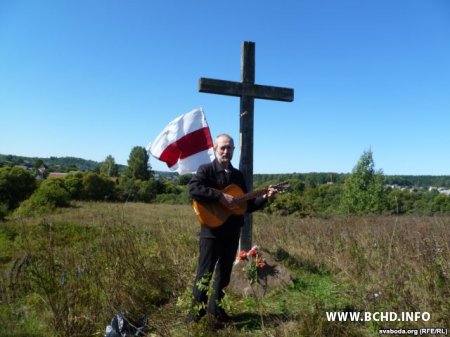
column 270, row 192
column 227, row 200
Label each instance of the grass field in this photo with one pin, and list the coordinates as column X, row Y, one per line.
column 68, row 273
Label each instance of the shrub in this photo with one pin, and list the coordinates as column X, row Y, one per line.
column 441, row 204
column 184, row 179
column 288, row 204
column 16, row 185
column 96, row 187
column 171, row 187
column 140, row 190
column 127, row 189
column 49, row 195
column 74, row 185
column 323, row 200
column 403, row 202
column 146, row 190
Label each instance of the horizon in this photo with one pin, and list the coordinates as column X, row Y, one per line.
column 254, row 173
column 91, row 79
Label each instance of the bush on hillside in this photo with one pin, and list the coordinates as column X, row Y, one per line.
column 16, row 185
column 441, row 204
column 323, row 200
column 146, row 190
column 50, row 195
column 97, row 187
column 74, row 185
column 285, row 204
column 139, row 190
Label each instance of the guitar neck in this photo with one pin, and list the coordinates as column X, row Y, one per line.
column 258, row 193
column 252, row 195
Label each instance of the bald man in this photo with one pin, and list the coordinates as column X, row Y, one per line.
column 218, row 246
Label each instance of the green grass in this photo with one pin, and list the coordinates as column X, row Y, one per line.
column 67, row 273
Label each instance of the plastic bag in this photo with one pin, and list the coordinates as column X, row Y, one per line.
column 121, row 326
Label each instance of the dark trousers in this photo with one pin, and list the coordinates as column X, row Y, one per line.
column 218, row 256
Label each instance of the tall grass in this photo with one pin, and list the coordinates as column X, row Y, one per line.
column 385, row 263
column 68, row 273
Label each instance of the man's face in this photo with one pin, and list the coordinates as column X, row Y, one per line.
column 224, row 150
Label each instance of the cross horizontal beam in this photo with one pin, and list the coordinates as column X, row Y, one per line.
column 240, row 89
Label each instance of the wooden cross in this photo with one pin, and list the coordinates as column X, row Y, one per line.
column 247, row 90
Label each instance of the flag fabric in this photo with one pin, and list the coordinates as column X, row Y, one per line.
column 185, row 143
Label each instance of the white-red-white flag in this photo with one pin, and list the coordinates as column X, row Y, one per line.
column 185, row 143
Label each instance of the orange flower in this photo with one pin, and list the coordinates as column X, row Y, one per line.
column 252, row 252
column 242, row 256
column 262, row 264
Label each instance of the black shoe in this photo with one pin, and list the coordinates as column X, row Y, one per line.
column 223, row 317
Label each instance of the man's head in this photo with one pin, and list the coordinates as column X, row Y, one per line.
column 224, row 148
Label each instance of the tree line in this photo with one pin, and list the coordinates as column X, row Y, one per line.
column 363, row 191
column 22, row 194
column 311, row 179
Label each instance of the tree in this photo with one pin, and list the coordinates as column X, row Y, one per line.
column 109, row 167
column 138, row 166
column 16, row 185
column 364, row 191
column 96, row 187
column 441, row 204
column 184, row 179
column 74, row 185
column 127, row 189
column 72, row 168
column 38, row 163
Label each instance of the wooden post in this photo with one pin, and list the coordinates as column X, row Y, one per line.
column 246, row 133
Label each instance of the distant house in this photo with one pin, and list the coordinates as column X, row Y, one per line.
column 41, row 171
column 25, row 165
column 57, row 175
column 43, row 168
column 445, row 191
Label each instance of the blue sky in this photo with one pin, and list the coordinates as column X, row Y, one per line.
column 95, row 78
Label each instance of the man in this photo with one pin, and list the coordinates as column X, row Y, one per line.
column 218, row 246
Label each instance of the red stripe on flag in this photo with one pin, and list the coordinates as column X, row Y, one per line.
column 192, row 143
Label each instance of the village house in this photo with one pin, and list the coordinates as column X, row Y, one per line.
column 57, row 175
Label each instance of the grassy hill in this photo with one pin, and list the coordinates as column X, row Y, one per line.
column 68, row 273
column 54, row 163
column 61, row 164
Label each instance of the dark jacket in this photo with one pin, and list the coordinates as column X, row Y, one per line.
column 204, row 187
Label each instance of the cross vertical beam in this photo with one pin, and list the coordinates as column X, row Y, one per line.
column 247, row 90
column 246, row 132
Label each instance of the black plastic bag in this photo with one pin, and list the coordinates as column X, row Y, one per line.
column 121, row 326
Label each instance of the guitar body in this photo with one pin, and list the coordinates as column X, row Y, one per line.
column 213, row 214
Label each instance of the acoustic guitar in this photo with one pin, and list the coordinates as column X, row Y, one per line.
column 213, row 214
